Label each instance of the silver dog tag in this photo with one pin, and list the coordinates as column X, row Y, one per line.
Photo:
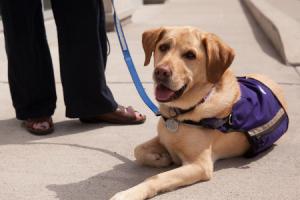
column 172, row 125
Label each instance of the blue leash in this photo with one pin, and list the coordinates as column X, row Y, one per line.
column 130, row 65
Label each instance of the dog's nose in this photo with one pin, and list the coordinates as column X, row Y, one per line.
column 162, row 72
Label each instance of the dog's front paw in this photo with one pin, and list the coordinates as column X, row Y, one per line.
column 125, row 195
column 158, row 159
column 120, row 196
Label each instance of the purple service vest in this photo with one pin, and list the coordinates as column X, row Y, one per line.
column 258, row 114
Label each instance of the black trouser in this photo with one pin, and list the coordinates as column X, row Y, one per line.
column 82, row 51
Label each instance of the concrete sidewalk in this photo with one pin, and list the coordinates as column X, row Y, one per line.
column 278, row 20
column 289, row 7
column 92, row 162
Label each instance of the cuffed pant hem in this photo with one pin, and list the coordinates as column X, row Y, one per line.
column 46, row 112
column 89, row 110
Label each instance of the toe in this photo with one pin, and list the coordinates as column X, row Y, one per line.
column 139, row 116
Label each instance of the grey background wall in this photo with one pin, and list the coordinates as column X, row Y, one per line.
column 125, row 10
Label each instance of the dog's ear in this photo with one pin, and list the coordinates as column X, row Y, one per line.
column 219, row 56
column 150, row 39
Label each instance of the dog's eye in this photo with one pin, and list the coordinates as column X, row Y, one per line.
column 164, row 47
column 189, row 55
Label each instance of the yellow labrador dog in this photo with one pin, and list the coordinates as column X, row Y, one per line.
column 207, row 112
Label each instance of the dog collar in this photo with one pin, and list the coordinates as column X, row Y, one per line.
column 174, row 112
column 172, row 124
column 211, row 123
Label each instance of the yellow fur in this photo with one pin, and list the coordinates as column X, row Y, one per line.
column 194, row 148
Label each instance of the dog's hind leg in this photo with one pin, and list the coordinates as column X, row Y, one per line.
column 153, row 154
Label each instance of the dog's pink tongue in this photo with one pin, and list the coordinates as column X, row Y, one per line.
column 163, row 93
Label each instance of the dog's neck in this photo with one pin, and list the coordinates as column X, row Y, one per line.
column 175, row 111
column 218, row 103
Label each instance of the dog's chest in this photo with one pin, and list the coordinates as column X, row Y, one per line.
column 171, row 142
column 184, row 143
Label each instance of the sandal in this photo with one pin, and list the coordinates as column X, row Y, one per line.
column 122, row 115
column 39, row 126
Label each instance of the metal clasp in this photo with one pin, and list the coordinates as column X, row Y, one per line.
column 230, row 120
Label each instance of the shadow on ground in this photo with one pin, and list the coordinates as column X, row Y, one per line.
column 123, row 176
column 260, row 36
column 12, row 131
column 105, row 184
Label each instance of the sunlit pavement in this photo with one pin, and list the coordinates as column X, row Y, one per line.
column 92, row 162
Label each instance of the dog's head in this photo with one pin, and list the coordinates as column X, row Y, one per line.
column 184, row 57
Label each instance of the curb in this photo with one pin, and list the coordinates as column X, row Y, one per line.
column 282, row 30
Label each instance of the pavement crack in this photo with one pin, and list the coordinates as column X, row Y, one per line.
column 128, row 82
column 109, row 82
column 149, row 82
column 285, row 83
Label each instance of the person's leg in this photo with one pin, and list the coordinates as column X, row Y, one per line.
column 83, row 54
column 82, row 58
column 30, row 72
